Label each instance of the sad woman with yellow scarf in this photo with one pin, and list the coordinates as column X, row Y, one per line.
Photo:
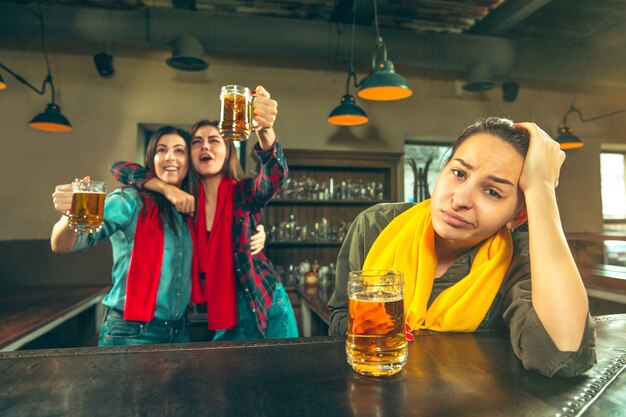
column 465, row 266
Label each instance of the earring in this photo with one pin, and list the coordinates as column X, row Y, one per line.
column 512, row 229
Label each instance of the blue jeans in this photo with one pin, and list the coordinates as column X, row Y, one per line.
column 115, row 331
column 281, row 322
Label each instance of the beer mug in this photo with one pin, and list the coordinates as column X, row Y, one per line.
column 87, row 211
column 376, row 344
column 236, row 112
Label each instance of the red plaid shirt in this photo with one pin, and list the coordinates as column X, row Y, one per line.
column 255, row 277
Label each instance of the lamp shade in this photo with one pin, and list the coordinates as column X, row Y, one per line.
column 479, row 78
column 347, row 113
column 51, row 120
column 384, row 84
column 3, row 85
column 187, row 55
column 567, row 140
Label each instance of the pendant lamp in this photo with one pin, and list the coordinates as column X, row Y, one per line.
column 383, row 83
column 51, row 119
column 479, row 78
column 187, row 54
column 566, row 139
column 347, row 113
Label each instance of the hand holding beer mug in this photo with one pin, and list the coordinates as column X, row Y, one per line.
column 376, row 344
column 87, row 211
column 236, row 112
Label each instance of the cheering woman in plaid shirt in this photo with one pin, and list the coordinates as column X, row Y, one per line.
column 244, row 296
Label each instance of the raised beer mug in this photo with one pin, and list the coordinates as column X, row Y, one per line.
column 87, row 211
column 236, row 112
column 376, row 344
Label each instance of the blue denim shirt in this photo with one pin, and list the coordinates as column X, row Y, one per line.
column 121, row 211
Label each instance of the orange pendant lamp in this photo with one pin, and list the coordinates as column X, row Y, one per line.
column 383, row 82
column 347, row 113
column 566, row 139
column 51, row 119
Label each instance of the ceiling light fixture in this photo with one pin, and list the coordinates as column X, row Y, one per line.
column 347, row 113
column 479, row 78
column 383, row 83
column 566, row 139
column 51, row 119
column 187, row 54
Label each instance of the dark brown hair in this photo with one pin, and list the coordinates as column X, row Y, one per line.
column 498, row 127
column 232, row 168
column 166, row 210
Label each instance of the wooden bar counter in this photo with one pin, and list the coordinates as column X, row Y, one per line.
column 446, row 375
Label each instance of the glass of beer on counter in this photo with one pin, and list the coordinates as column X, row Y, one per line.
column 87, row 211
column 236, row 112
column 376, row 344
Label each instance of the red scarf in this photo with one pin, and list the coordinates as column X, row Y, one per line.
column 214, row 256
column 144, row 272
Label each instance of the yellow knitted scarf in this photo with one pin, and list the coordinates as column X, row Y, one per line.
column 407, row 244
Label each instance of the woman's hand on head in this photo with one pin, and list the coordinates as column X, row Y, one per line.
column 257, row 240
column 543, row 161
column 265, row 109
column 183, row 202
column 62, row 196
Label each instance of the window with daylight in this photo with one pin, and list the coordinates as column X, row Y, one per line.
column 613, row 187
column 422, row 163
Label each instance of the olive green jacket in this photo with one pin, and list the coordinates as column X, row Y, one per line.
column 512, row 307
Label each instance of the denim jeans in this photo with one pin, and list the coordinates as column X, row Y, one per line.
column 116, row 331
column 281, row 322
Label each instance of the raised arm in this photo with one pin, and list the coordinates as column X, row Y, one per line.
column 137, row 176
column 558, row 294
column 265, row 111
column 270, row 179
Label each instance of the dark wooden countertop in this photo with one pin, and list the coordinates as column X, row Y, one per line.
column 446, row 375
column 316, row 298
column 29, row 311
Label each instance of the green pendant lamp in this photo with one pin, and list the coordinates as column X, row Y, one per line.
column 567, row 140
column 51, row 120
column 347, row 113
column 383, row 83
